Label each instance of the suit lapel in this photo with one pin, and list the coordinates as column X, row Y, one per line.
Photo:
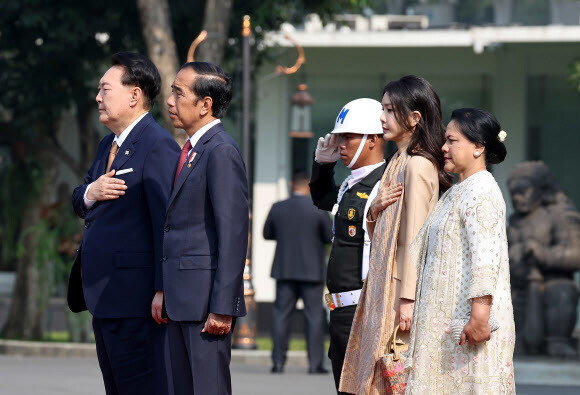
column 198, row 150
column 105, row 157
column 127, row 149
column 123, row 154
column 187, row 169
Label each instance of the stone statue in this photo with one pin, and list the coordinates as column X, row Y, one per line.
column 544, row 251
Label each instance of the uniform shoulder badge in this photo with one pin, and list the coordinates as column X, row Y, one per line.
column 351, row 213
column 362, row 195
column 352, row 231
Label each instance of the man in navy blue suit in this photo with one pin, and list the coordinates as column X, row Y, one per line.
column 301, row 231
column 206, row 234
column 117, row 273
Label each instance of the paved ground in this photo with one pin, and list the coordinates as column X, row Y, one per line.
column 81, row 376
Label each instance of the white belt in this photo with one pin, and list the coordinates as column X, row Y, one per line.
column 342, row 299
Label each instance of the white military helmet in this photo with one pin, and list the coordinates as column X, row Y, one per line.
column 360, row 116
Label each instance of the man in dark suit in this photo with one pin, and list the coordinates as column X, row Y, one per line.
column 301, row 231
column 206, row 234
column 117, row 273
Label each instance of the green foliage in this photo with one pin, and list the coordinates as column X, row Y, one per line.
column 18, row 186
column 50, row 58
column 54, row 266
column 575, row 74
column 266, row 15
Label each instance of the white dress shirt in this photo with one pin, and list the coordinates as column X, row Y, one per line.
column 199, row 134
column 358, row 175
column 362, row 172
column 119, row 140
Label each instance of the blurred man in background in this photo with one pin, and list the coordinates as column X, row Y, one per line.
column 301, row 231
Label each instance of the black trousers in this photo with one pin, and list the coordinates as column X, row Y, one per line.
column 287, row 294
column 340, row 324
column 132, row 355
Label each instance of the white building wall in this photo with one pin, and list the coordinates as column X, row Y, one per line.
column 271, row 172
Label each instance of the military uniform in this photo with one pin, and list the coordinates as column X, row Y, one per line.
column 345, row 266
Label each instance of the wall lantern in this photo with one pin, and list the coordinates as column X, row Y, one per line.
column 301, row 113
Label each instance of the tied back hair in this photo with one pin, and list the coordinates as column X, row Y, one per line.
column 414, row 93
column 481, row 127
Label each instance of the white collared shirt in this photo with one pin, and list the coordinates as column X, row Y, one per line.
column 362, row 172
column 358, row 175
column 199, row 134
column 120, row 139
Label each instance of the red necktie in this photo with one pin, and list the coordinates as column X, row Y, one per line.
column 182, row 159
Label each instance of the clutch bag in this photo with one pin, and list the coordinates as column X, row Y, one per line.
column 456, row 327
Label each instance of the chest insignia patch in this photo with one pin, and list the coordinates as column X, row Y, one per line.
column 352, row 231
column 362, row 195
column 351, row 213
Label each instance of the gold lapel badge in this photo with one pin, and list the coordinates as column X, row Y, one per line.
column 351, row 213
column 362, row 195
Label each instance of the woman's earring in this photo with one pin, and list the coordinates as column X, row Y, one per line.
column 476, row 154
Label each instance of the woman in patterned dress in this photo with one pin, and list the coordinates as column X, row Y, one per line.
column 412, row 119
column 463, row 278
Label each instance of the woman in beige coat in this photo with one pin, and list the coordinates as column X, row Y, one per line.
column 412, row 119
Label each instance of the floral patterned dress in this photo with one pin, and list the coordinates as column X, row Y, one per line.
column 462, row 253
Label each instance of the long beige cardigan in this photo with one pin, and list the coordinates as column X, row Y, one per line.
column 391, row 273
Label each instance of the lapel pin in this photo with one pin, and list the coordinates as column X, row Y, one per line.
column 191, row 159
column 126, row 152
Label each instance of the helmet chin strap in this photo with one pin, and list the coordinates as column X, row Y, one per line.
column 358, row 151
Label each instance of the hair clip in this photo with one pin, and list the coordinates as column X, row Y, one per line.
column 502, row 135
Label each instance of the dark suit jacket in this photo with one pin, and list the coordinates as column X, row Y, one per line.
column 206, row 232
column 121, row 250
column 301, row 231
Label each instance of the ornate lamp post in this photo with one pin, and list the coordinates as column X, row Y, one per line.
column 301, row 113
column 246, row 327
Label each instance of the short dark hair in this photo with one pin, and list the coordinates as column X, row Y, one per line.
column 212, row 82
column 414, row 93
column 141, row 72
column 300, row 176
column 481, row 127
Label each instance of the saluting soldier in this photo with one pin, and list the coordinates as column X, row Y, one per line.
column 356, row 140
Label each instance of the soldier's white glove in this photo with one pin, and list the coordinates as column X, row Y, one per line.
column 327, row 149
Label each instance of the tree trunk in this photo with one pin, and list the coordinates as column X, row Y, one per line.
column 88, row 139
column 30, row 297
column 216, row 22
column 156, row 26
